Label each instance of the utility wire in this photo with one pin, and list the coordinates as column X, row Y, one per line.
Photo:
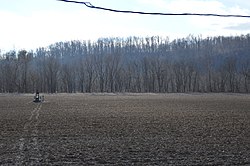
column 89, row 5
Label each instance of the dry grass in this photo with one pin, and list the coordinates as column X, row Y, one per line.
column 125, row 129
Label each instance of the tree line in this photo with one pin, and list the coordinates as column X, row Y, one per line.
column 134, row 64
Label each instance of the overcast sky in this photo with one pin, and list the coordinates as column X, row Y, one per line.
column 28, row 24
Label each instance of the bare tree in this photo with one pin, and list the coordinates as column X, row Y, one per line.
column 89, row 63
column 51, row 72
column 245, row 71
column 9, row 72
column 113, row 65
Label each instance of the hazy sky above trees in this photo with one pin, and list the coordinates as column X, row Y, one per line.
column 28, row 24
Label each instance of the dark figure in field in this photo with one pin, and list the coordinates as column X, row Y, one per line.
column 37, row 98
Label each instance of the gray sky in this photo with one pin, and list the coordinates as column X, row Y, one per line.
column 28, row 24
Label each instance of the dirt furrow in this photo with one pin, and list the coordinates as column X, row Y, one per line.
column 28, row 143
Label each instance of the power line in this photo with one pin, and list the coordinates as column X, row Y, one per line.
column 89, row 5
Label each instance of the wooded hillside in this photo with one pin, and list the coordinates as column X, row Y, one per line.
column 133, row 64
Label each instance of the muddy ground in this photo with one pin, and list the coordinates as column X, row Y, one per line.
column 125, row 129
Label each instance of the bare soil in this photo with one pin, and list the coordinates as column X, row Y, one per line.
column 125, row 129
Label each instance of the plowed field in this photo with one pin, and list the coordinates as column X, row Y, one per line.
column 125, row 129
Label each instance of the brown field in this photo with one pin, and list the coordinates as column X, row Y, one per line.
column 125, row 129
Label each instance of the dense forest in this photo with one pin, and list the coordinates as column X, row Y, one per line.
column 133, row 64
